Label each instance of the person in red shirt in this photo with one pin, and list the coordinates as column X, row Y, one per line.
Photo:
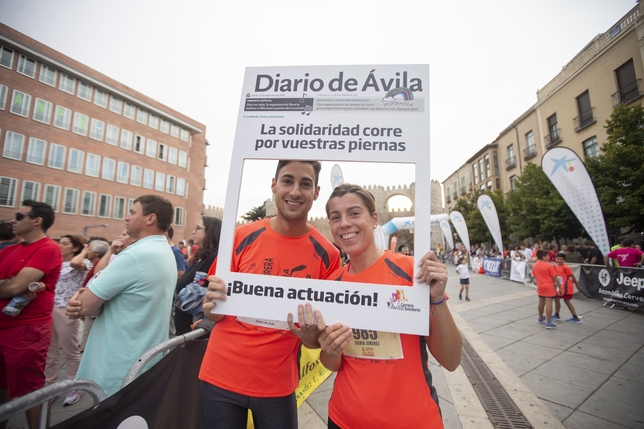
column 566, row 279
column 548, row 287
column 250, row 365
column 25, row 338
column 392, row 374
column 553, row 249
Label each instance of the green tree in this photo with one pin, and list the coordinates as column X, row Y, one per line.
column 536, row 209
column 618, row 171
column 256, row 213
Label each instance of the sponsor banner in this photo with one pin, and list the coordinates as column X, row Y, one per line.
column 461, row 228
column 620, row 286
column 492, row 266
column 569, row 175
column 447, row 232
column 505, row 268
column 353, row 113
column 517, row 271
column 168, row 395
column 476, row 263
column 491, row 217
column 165, row 396
column 312, row 373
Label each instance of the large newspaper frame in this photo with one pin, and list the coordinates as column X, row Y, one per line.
column 278, row 105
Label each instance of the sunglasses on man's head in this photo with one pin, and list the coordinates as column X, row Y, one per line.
column 21, row 216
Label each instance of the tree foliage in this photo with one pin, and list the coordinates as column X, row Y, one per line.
column 618, row 171
column 256, row 213
column 536, row 209
column 476, row 226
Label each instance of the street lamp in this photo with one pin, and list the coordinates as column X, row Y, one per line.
column 102, row 225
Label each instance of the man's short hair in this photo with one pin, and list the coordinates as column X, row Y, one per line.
column 6, row 232
column 317, row 166
column 161, row 207
column 541, row 253
column 627, row 242
column 552, row 246
column 562, row 255
column 99, row 247
column 43, row 211
column 589, row 243
column 170, row 232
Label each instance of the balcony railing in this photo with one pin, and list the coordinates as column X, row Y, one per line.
column 448, row 199
column 511, row 163
column 553, row 138
column 529, row 152
column 627, row 93
column 463, row 191
column 584, row 119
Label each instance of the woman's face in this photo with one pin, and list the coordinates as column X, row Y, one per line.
column 199, row 233
column 351, row 224
column 67, row 247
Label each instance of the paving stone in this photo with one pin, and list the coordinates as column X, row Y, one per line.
column 630, row 372
column 556, row 391
column 623, row 412
column 559, row 411
column 537, row 350
column 494, row 341
column 520, row 361
column 573, row 376
column 580, row 420
column 605, row 366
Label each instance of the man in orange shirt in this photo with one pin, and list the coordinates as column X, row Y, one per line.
column 548, row 286
column 252, row 364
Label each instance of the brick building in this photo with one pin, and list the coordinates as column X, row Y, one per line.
column 89, row 145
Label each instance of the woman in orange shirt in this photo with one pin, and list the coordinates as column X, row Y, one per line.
column 391, row 387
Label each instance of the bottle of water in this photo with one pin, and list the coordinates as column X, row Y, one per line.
column 19, row 302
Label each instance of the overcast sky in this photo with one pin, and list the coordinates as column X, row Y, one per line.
column 487, row 59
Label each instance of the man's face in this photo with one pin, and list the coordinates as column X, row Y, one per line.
column 560, row 260
column 295, row 191
column 26, row 225
column 135, row 221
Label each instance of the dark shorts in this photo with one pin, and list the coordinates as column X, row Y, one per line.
column 465, row 281
column 223, row 409
column 551, row 297
column 23, row 357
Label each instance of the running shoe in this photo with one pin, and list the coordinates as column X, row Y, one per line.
column 467, row 298
column 556, row 318
column 541, row 319
column 573, row 320
column 72, row 397
column 460, row 296
column 550, row 325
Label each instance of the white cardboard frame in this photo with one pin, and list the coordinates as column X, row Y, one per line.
column 349, row 96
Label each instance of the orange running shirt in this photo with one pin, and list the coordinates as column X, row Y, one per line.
column 385, row 393
column 543, row 273
column 563, row 272
column 256, row 360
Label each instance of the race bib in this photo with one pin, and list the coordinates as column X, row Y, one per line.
column 374, row 345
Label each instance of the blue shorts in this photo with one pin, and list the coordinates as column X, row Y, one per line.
column 465, row 281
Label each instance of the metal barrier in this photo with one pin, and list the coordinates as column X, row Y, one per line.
column 42, row 396
column 145, row 358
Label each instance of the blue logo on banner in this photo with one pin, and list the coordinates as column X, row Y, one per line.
column 492, row 266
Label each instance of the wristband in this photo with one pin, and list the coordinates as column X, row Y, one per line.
column 440, row 301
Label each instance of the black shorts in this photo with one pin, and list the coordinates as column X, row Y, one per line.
column 465, row 281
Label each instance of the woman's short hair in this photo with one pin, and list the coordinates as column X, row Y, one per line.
column 347, row 188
